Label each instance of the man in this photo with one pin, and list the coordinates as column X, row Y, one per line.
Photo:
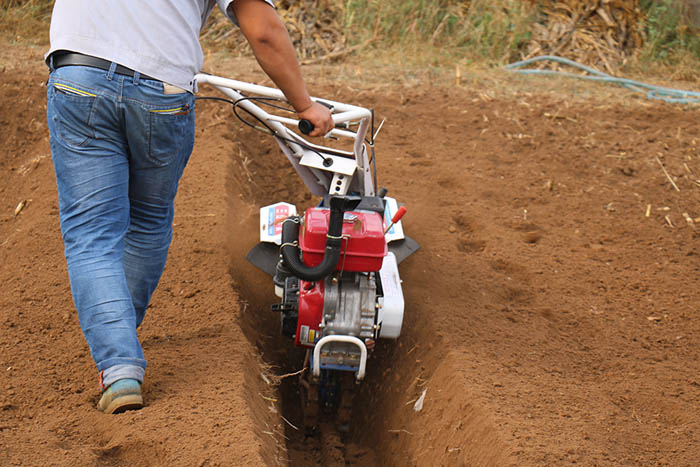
column 121, row 119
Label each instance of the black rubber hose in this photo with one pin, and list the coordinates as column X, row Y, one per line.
column 290, row 237
column 290, row 253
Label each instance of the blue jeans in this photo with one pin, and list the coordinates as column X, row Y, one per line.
column 119, row 147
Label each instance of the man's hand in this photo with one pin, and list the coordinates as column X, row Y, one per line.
column 273, row 49
column 320, row 117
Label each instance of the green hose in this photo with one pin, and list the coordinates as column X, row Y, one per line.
column 674, row 96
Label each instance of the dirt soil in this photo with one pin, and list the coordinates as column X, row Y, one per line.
column 552, row 311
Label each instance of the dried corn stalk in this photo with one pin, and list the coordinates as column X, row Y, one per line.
column 599, row 33
column 313, row 26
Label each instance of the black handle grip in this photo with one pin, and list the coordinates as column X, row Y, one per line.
column 306, row 126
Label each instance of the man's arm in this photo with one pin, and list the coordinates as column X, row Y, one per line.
column 273, row 49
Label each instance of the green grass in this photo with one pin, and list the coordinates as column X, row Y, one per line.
column 494, row 31
column 435, row 32
column 40, row 9
column 26, row 21
column 668, row 40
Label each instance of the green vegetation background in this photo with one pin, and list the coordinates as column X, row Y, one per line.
column 442, row 32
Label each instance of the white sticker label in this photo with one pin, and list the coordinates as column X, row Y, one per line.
column 303, row 334
column 396, row 230
column 271, row 219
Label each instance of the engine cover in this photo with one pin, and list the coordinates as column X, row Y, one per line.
column 346, row 306
column 363, row 247
column 350, row 306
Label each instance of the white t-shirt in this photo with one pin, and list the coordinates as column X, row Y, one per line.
column 159, row 38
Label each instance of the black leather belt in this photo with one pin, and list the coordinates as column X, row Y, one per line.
column 73, row 58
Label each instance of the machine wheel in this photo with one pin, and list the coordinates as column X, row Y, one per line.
column 328, row 400
column 343, row 415
column 308, row 391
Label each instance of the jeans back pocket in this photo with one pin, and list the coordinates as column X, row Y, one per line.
column 171, row 130
column 70, row 107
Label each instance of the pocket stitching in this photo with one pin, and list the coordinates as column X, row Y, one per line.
column 59, row 89
column 156, row 115
column 71, row 91
column 182, row 110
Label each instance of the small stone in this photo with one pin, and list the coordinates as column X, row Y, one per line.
column 452, row 229
column 532, row 237
column 191, row 293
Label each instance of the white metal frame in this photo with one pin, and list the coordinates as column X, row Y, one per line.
column 316, row 370
column 317, row 177
column 350, row 169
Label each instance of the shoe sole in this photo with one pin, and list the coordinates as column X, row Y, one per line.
column 124, row 403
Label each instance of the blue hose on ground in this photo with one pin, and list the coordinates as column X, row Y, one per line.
column 674, row 96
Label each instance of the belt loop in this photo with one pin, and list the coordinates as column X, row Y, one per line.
column 50, row 63
column 112, row 69
column 137, row 75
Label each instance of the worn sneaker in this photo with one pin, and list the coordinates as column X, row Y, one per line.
column 124, row 394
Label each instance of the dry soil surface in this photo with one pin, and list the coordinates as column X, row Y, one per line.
column 552, row 311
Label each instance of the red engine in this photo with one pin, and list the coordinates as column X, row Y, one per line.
column 311, row 296
column 362, row 250
column 363, row 247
